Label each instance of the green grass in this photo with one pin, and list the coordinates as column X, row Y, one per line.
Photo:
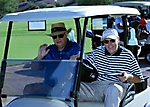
column 24, row 44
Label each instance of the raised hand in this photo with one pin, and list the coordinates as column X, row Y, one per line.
column 42, row 51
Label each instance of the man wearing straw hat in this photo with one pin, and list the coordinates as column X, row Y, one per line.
column 61, row 49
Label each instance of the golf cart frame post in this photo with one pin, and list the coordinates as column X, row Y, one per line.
column 75, row 12
column 3, row 64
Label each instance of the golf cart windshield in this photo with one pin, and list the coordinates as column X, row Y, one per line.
column 57, row 79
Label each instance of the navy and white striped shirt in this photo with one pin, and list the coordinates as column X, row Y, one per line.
column 122, row 60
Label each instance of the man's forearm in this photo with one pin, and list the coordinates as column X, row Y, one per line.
column 38, row 58
column 35, row 65
column 133, row 78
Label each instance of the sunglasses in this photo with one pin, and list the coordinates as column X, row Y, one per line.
column 107, row 41
column 60, row 36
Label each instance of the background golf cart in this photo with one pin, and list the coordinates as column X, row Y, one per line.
column 144, row 9
column 13, row 82
column 142, row 6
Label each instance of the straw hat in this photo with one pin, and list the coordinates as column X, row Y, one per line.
column 58, row 28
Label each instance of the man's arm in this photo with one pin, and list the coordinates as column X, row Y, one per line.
column 41, row 53
column 36, row 65
column 133, row 78
column 134, row 74
column 129, row 77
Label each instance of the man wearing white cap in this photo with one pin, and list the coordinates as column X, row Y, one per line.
column 117, row 68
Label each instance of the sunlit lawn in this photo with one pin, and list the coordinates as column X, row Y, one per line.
column 24, row 44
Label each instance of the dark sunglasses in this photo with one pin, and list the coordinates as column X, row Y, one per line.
column 107, row 41
column 60, row 36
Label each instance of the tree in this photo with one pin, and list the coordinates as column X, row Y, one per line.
column 94, row 2
column 20, row 1
column 42, row 5
column 8, row 6
column 58, row 4
column 32, row 5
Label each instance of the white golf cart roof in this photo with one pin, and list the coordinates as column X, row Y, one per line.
column 60, row 13
column 133, row 3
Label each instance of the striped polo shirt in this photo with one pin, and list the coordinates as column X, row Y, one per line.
column 122, row 60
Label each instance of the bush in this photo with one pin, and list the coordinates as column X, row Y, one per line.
column 42, row 5
column 94, row 2
column 58, row 4
column 31, row 6
column 50, row 6
column 7, row 6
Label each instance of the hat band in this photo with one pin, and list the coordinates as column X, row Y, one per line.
column 56, row 29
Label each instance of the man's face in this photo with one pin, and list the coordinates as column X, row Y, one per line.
column 133, row 17
column 111, row 45
column 60, row 40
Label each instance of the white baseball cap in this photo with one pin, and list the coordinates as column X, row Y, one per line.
column 110, row 33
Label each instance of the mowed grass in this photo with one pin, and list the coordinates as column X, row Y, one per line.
column 24, row 44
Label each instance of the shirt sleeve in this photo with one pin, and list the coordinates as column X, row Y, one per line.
column 134, row 68
column 91, row 59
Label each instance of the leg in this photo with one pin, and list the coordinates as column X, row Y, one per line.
column 113, row 95
column 90, row 92
column 37, row 89
column 93, row 91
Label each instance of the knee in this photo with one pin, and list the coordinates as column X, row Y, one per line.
column 116, row 89
column 26, row 89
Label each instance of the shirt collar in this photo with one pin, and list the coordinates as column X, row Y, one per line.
column 115, row 54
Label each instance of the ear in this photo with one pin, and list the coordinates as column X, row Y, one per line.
column 118, row 39
column 66, row 34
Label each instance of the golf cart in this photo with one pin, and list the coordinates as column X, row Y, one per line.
column 65, row 77
column 142, row 6
column 144, row 38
